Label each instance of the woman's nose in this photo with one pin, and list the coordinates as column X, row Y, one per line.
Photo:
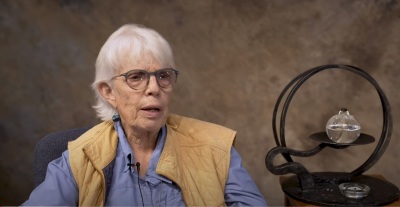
column 152, row 87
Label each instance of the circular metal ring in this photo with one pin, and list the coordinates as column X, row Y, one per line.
column 300, row 79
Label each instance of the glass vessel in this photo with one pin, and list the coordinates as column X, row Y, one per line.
column 343, row 127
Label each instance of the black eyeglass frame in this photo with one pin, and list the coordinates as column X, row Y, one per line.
column 155, row 73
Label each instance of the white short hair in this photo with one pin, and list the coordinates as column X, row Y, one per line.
column 130, row 45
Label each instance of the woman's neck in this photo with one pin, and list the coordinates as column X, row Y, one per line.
column 143, row 146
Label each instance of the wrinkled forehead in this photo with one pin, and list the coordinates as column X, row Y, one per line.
column 147, row 60
column 146, row 63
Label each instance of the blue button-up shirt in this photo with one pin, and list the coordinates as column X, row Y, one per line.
column 128, row 189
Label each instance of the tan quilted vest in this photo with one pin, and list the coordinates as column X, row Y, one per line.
column 196, row 157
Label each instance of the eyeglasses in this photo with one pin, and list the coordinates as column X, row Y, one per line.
column 139, row 79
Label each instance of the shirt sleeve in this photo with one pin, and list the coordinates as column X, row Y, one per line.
column 240, row 189
column 58, row 188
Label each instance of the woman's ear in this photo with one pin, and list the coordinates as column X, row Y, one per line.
column 107, row 93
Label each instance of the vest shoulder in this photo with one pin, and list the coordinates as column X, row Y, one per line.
column 90, row 135
column 199, row 131
column 177, row 121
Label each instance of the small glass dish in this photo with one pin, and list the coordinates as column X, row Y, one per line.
column 354, row 190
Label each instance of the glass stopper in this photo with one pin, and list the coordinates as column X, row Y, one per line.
column 354, row 190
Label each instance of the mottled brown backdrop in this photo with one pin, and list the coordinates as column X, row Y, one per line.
column 235, row 58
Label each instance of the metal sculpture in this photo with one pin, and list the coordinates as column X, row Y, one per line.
column 322, row 188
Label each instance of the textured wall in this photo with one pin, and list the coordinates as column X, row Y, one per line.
column 235, row 58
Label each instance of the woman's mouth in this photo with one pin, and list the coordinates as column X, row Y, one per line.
column 151, row 108
column 152, row 111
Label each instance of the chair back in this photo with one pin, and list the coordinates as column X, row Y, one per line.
column 50, row 148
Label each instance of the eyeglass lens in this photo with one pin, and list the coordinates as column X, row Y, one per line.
column 138, row 79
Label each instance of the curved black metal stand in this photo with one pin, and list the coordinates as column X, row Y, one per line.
column 307, row 182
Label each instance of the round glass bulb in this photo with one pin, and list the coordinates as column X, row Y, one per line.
column 343, row 127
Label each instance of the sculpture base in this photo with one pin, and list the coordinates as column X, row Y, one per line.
column 328, row 193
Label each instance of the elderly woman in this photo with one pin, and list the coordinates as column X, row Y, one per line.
column 141, row 155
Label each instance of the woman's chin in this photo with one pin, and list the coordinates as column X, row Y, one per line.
column 152, row 125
